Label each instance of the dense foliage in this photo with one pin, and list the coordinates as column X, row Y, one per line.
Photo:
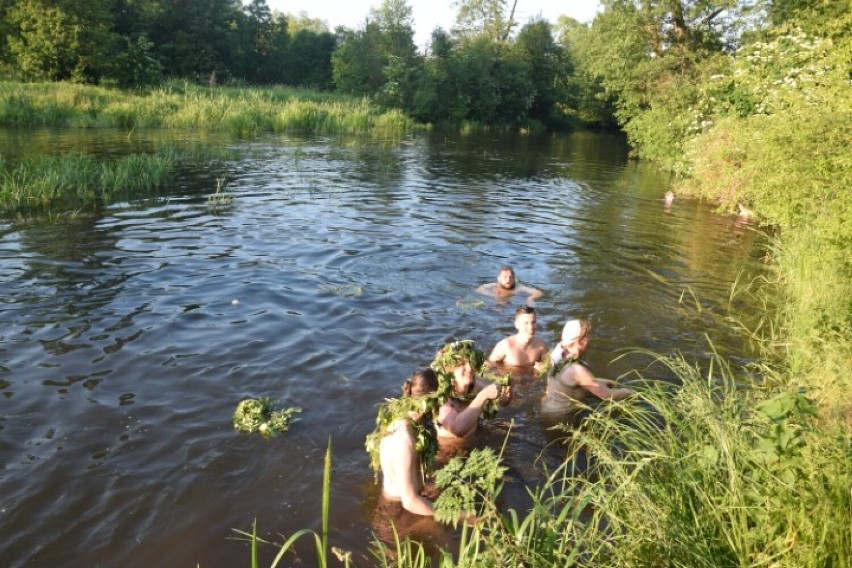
column 747, row 100
column 134, row 43
column 487, row 70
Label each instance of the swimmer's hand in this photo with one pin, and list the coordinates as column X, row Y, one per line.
column 505, row 395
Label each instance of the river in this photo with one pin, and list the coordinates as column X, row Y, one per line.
column 329, row 272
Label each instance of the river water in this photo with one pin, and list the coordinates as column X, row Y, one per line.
column 332, row 270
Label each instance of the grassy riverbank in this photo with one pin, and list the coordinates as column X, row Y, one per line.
column 735, row 467
column 71, row 182
column 241, row 112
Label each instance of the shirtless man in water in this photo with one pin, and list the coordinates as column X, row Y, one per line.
column 400, row 462
column 506, row 286
column 573, row 382
column 459, row 416
column 523, row 349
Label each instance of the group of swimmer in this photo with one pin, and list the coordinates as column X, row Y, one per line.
column 454, row 416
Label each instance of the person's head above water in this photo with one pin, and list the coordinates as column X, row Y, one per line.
column 575, row 336
column 422, row 381
column 506, row 278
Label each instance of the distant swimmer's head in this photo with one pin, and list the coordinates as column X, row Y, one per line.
column 506, row 278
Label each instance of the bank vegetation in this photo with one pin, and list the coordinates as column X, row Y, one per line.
column 748, row 103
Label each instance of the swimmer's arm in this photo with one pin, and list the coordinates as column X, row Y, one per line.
column 498, row 354
column 407, row 467
column 599, row 387
column 463, row 423
column 533, row 293
column 487, row 289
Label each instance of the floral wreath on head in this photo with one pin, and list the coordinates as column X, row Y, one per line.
column 449, row 357
column 425, row 436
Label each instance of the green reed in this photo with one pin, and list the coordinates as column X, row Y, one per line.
column 713, row 474
column 320, row 539
column 706, row 473
column 243, row 112
column 77, row 181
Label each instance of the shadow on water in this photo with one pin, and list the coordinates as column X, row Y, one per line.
column 336, row 267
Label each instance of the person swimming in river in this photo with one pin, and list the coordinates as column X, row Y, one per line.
column 523, row 349
column 506, row 286
column 570, row 382
column 465, row 397
column 404, row 441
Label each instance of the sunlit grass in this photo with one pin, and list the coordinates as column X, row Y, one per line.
column 243, row 112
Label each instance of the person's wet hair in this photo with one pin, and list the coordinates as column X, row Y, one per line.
column 422, row 381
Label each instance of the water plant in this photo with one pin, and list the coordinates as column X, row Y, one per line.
column 260, row 415
column 221, row 197
column 320, row 539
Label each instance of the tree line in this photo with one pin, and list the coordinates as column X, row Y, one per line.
column 640, row 65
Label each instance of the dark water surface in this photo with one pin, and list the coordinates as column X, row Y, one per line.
column 127, row 338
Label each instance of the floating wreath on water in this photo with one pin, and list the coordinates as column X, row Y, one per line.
column 451, row 356
column 259, row 415
column 407, row 408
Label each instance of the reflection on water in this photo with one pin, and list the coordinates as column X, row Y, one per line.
column 128, row 337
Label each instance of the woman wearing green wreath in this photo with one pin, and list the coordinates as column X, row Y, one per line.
column 465, row 397
column 402, row 442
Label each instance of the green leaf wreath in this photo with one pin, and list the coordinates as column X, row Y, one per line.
column 260, row 415
column 425, row 437
column 449, row 357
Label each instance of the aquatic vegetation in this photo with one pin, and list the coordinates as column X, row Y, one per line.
column 320, row 539
column 221, row 197
column 68, row 182
column 469, row 485
column 73, row 181
column 260, row 415
column 342, row 290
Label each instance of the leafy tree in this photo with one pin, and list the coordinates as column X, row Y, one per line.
column 810, row 15
column 430, row 100
column 648, row 56
column 297, row 23
column 582, row 94
column 401, row 61
column 61, row 40
column 485, row 17
column 381, row 59
column 357, row 62
column 476, row 91
column 197, row 38
column 547, row 66
column 308, row 59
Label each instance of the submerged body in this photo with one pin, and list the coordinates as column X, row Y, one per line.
column 571, row 383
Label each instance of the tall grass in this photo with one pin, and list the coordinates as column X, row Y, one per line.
column 242, row 112
column 77, row 181
column 715, row 475
column 49, row 184
column 320, row 539
column 704, row 474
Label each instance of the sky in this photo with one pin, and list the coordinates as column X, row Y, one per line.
column 428, row 14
